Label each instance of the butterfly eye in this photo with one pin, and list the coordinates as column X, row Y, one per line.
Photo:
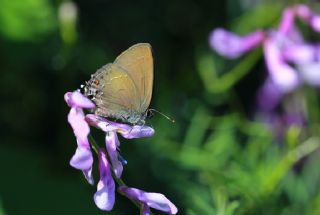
column 96, row 82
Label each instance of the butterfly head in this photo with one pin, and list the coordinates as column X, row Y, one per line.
column 94, row 87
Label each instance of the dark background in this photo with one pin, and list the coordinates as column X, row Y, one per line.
column 203, row 162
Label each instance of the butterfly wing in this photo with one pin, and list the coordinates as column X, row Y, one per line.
column 137, row 61
column 118, row 92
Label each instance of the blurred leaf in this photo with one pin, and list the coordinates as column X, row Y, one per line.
column 224, row 207
column 27, row 20
column 292, row 136
column 311, row 175
column 1, row 209
column 198, row 126
column 296, row 189
column 68, row 15
column 262, row 16
column 278, row 172
column 209, row 74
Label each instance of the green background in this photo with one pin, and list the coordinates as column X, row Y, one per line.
column 216, row 159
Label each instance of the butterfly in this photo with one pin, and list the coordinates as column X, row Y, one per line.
column 122, row 90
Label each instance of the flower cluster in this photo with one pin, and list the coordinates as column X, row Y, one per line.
column 110, row 161
column 291, row 61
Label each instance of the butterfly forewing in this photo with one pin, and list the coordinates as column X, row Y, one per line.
column 137, row 61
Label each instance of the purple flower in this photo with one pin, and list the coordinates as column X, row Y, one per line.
column 289, row 59
column 281, row 73
column 268, row 96
column 109, row 158
column 308, row 16
column 230, row 45
column 105, row 195
column 149, row 200
column 112, row 142
column 82, row 159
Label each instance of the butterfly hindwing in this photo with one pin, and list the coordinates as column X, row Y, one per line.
column 118, row 93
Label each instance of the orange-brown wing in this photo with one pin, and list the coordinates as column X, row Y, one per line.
column 138, row 62
column 119, row 94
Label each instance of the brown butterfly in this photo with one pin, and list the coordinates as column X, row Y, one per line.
column 122, row 90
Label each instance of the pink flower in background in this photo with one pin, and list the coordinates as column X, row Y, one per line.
column 233, row 46
column 289, row 59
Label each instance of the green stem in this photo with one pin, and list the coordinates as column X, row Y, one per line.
column 94, row 145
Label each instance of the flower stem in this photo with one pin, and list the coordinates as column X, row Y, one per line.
column 94, row 145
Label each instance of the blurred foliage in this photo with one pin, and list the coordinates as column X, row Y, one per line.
column 217, row 158
column 16, row 18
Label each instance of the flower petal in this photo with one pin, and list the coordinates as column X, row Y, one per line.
column 310, row 72
column 145, row 210
column 315, row 23
column 83, row 160
column 307, row 15
column 137, row 132
column 154, row 200
column 300, row 53
column 76, row 99
column 80, row 127
column 127, row 131
column 283, row 75
column 287, row 21
column 112, row 143
column 231, row 45
column 104, row 198
column 269, row 96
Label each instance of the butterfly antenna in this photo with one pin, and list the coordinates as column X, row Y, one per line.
column 168, row 118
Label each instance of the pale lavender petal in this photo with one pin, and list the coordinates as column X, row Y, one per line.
column 127, row 131
column 80, row 127
column 154, row 200
column 98, row 122
column 105, row 195
column 317, row 52
column 287, row 21
column 315, row 23
column 231, row 45
column 283, row 75
column 76, row 99
column 300, row 53
column 112, row 143
column 295, row 119
column 303, row 11
column 106, row 125
column 306, row 14
column 137, row 132
column 145, row 210
column 310, row 72
column 88, row 175
column 294, row 37
column 269, row 96
column 83, row 160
